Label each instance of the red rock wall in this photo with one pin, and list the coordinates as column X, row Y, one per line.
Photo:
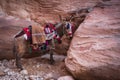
column 33, row 10
column 94, row 53
column 43, row 10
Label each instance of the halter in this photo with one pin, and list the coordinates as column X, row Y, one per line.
column 68, row 29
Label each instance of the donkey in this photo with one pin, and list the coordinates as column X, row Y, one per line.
column 22, row 47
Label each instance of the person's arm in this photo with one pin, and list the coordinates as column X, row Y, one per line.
column 19, row 34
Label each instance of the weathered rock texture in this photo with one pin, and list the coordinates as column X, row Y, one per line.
column 32, row 10
column 94, row 53
column 43, row 10
column 9, row 26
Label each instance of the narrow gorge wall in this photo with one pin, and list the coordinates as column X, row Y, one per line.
column 15, row 14
column 94, row 53
column 43, row 10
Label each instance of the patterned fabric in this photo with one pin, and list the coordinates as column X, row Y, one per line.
column 49, row 28
column 27, row 33
column 38, row 35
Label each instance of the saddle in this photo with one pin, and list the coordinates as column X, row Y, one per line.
column 38, row 35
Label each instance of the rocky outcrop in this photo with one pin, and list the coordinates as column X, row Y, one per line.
column 9, row 26
column 43, row 10
column 94, row 53
column 27, row 12
column 65, row 78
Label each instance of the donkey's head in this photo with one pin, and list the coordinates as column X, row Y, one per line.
column 69, row 29
column 65, row 27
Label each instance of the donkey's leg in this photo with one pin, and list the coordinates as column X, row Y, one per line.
column 52, row 47
column 15, row 53
column 21, row 48
column 18, row 62
column 51, row 57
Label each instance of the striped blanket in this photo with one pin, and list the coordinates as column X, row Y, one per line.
column 38, row 35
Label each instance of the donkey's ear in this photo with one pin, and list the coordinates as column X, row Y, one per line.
column 60, row 17
column 71, row 17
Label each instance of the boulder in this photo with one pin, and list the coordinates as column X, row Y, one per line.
column 94, row 53
column 2, row 73
column 66, row 78
column 9, row 26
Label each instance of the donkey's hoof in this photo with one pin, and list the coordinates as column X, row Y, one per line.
column 52, row 62
column 20, row 67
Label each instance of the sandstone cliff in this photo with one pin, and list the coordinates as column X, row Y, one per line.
column 15, row 14
column 43, row 10
column 94, row 53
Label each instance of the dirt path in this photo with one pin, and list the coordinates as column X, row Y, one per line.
column 34, row 69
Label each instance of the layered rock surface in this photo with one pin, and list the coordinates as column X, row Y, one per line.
column 9, row 26
column 94, row 53
column 43, row 10
column 25, row 11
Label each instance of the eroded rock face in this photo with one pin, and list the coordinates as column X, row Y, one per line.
column 22, row 12
column 9, row 26
column 94, row 53
column 43, row 10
